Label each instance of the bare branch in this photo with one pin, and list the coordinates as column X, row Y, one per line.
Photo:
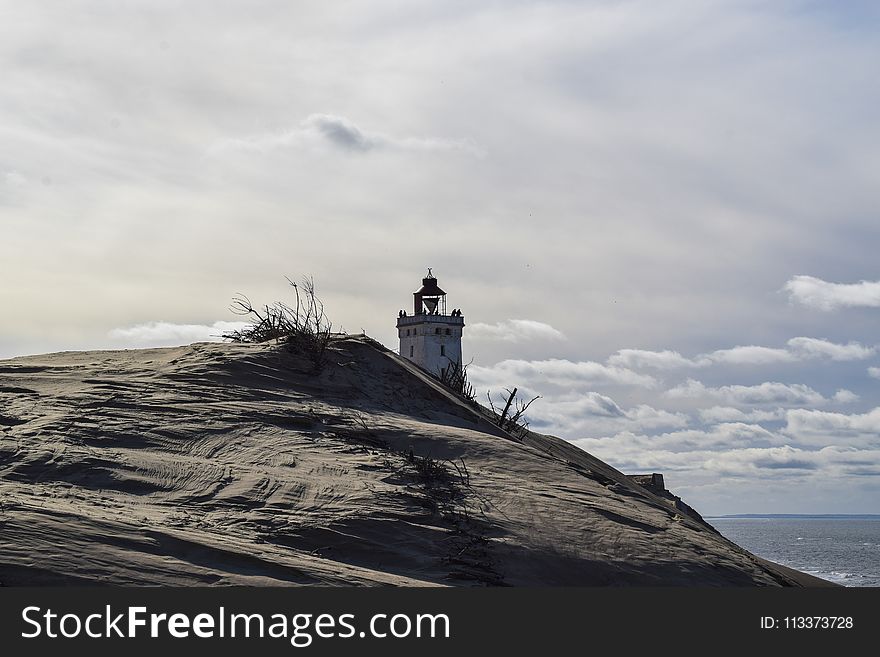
column 515, row 424
column 304, row 327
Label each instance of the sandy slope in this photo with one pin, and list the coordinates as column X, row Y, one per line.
column 231, row 464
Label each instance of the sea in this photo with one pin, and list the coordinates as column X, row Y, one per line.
column 842, row 549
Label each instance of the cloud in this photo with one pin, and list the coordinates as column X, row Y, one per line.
column 589, row 405
column 341, row 133
column 823, row 427
column 797, row 350
column 752, row 460
column 12, row 187
column 558, row 372
column 629, row 446
column 720, row 414
column 844, row 396
column 645, row 416
column 814, row 348
column 13, row 179
column 594, row 414
column 156, row 334
column 514, row 330
column 749, row 355
column 816, row 293
column 639, row 358
column 769, row 392
column 701, row 458
column 874, row 372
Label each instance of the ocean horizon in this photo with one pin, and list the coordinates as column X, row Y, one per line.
column 866, row 516
column 840, row 548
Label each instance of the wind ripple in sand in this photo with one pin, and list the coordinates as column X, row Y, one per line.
column 232, row 464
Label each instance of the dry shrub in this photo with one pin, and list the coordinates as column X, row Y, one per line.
column 303, row 327
column 454, row 377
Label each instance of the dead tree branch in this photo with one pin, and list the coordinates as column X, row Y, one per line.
column 516, row 424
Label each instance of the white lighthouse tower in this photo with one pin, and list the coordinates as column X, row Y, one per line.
column 429, row 337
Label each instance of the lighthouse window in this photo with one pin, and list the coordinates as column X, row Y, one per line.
column 410, row 351
column 448, row 332
column 407, row 331
column 442, row 350
column 437, row 331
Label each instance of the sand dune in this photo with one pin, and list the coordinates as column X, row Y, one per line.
column 232, row 464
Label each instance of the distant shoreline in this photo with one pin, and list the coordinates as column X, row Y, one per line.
column 803, row 516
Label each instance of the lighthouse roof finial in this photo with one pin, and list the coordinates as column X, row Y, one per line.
column 429, row 286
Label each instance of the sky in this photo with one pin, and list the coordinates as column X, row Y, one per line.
column 660, row 217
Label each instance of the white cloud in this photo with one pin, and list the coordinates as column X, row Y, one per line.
column 638, row 358
column 12, row 187
column 751, row 461
column 769, row 392
column 798, row 349
column 560, row 372
column 812, row 427
column 763, row 461
column 749, row 355
column 874, row 372
column 514, row 330
column 816, row 293
column 719, row 414
column 14, row 179
column 834, row 444
column 591, row 404
column 644, row 417
column 168, row 334
column 707, row 463
column 593, row 414
column 844, row 396
column 628, row 445
column 814, row 348
column 341, row 133
column 690, row 389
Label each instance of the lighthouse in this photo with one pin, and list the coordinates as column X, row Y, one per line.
column 430, row 337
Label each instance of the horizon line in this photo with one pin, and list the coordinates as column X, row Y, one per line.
column 796, row 515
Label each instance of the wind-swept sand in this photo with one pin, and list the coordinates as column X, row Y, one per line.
column 231, row 464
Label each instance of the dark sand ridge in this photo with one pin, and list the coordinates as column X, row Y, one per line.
column 231, row 464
